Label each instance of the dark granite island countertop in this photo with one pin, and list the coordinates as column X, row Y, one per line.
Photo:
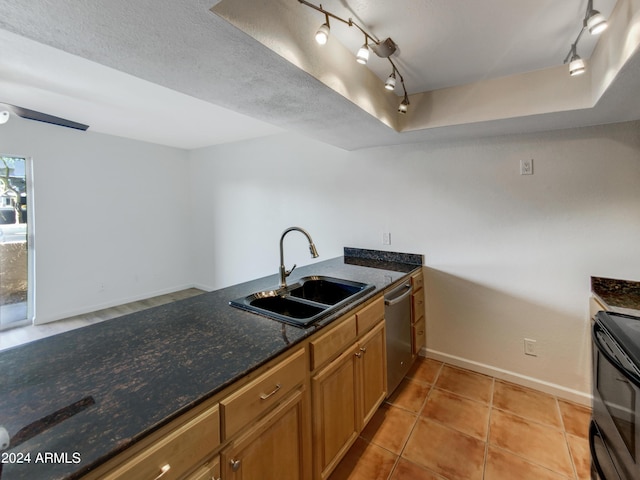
column 90, row 393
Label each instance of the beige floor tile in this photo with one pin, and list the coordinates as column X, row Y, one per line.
column 575, row 417
column 444, row 428
column 390, row 428
column 465, row 383
column 365, row 461
column 502, row 465
column 540, row 444
column 406, row 470
column 410, row 395
column 460, row 413
column 445, row 451
column 581, row 455
column 527, row 403
column 425, row 370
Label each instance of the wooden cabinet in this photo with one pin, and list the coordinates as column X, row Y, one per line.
column 292, row 419
column 336, row 340
column 273, row 449
column 418, row 322
column 267, row 422
column 175, row 451
column 257, row 397
column 345, row 395
column 372, row 371
column 209, row 471
column 335, row 414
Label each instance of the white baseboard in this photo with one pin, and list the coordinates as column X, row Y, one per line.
column 569, row 394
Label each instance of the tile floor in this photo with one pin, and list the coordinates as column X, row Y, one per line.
column 447, row 423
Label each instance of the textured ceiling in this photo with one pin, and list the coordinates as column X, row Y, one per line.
column 183, row 76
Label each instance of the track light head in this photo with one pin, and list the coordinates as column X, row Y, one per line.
column 390, row 83
column 595, row 22
column 404, row 105
column 362, row 56
column 576, row 65
column 4, row 116
column 322, row 35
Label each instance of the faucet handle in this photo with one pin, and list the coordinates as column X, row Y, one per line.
column 288, row 272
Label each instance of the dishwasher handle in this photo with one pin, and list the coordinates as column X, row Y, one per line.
column 393, row 301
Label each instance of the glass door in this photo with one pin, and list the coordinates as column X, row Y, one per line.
column 14, row 245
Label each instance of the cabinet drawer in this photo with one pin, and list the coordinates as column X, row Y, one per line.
column 255, row 398
column 332, row 342
column 418, row 335
column 417, row 305
column 177, row 453
column 370, row 315
column 417, row 281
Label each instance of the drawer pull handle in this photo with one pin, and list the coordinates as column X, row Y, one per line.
column 235, row 464
column 358, row 354
column 363, row 349
column 163, row 470
column 264, row 396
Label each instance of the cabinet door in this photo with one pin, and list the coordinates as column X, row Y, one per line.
column 372, row 369
column 273, row 449
column 335, row 412
column 208, row 471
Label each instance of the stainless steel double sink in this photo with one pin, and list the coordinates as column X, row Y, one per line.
column 308, row 300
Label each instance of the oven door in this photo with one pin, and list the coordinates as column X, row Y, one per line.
column 616, row 409
column 601, row 460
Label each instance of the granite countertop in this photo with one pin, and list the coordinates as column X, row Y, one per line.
column 90, row 393
column 620, row 296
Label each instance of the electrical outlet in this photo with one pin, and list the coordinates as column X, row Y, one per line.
column 530, row 347
column 526, row 167
column 386, row 238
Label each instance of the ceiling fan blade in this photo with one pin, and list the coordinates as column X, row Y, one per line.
column 46, row 118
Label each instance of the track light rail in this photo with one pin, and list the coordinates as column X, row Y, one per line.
column 387, row 46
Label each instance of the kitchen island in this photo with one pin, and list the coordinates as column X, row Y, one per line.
column 87, row 395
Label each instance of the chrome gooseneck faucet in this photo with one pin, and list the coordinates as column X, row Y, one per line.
column 284, row 273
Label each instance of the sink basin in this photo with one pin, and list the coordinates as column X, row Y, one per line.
column 325, row 290
column 285, row 306
column 304, row 302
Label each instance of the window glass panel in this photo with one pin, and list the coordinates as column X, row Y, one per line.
column 14, row 263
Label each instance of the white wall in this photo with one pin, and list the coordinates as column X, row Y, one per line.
column 108, row 227
column 508, row 256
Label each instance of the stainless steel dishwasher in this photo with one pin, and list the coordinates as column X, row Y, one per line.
column 397, row 314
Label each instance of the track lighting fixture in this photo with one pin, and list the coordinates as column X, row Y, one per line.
column 383, row 49
column 4, row 116
column 390, row 83
column 593, row 21
column 576, row 65
column 362, row 56
column 322, row 35
column 404, row 106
